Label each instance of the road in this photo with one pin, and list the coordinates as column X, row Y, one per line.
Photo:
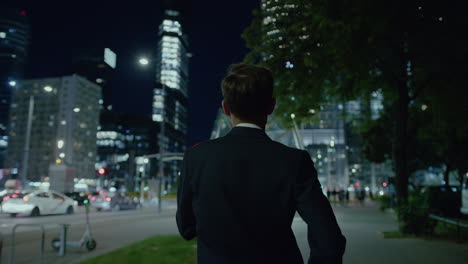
column 110, row 229
column 360, row 225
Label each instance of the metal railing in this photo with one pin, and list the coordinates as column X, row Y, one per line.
column 448, row 221
column 457, row 223
column 13, row 237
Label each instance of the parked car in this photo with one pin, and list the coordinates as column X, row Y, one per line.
column 80, row 197
column 5, row 194
column 38, row 203
column 114, row 201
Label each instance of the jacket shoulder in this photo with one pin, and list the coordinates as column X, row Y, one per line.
column 290, row 150
column 203, row 145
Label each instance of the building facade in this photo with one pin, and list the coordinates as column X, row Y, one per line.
column 14, row 44
column 64, row 122
column 129, row 137
column 170, row 93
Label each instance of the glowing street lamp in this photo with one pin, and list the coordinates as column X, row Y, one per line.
column 48, row 89
column 143, row 61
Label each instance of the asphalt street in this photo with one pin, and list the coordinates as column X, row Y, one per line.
column 111, row 230
column 362, row 226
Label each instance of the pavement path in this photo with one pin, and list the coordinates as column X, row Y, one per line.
column 362, row 227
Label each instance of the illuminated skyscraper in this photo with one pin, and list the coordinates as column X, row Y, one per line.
column 172, row 60
column 14, row 42
column 170, row 92
column 170, row 95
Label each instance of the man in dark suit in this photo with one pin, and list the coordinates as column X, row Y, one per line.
column 239, row 193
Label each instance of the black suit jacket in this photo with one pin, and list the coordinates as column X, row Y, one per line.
column 238, row 194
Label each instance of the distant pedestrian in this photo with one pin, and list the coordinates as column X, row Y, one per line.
column 334, row 194
column 361, row 196
column 239, row 193
column 341, row 197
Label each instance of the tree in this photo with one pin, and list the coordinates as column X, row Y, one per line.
column 339, row 50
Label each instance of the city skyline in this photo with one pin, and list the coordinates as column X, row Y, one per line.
column 214, row 47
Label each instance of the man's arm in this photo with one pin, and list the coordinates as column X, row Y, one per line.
column 327, row 244
column 185, row 218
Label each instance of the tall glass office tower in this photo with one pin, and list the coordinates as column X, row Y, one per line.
column 170, row 93
column 171, row 69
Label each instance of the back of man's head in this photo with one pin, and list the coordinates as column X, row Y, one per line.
column 248, row 91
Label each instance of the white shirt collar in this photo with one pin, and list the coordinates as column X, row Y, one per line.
column 248, row 125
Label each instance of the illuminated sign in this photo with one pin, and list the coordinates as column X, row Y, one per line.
column 110, row 57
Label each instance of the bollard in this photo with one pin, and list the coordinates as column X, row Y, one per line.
column 13, row 237
column 63, row 240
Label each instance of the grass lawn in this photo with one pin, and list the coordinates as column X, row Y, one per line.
column 158, row 249
column 396, row 234
column 442, row 231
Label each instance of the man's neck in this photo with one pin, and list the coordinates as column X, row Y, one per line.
column 236, row 121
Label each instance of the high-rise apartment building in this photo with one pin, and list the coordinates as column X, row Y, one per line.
column 14, row 43
column 64, row 122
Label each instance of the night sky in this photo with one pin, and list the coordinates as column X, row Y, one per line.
column 214, row 29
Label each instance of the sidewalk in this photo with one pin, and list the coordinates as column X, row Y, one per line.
column 362, row 227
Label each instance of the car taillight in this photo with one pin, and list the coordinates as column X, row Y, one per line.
column 26, row 199
column 93, row 198
column 14, row 196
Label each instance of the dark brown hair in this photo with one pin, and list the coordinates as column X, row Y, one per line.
column 247, row 90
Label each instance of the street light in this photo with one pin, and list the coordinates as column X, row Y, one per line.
column 48, row 89
column 25, row 162
column 143, row 61
column 299, row 142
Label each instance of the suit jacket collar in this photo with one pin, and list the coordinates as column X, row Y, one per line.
column 247, row 132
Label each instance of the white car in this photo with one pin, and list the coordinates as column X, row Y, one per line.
column 38, row 203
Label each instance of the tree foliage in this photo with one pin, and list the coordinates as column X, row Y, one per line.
column 413, row 51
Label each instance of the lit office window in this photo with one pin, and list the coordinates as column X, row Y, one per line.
column 157, row 118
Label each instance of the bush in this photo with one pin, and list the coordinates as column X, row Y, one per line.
column 384, row 202
column 137, row 194
column 414, row 216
